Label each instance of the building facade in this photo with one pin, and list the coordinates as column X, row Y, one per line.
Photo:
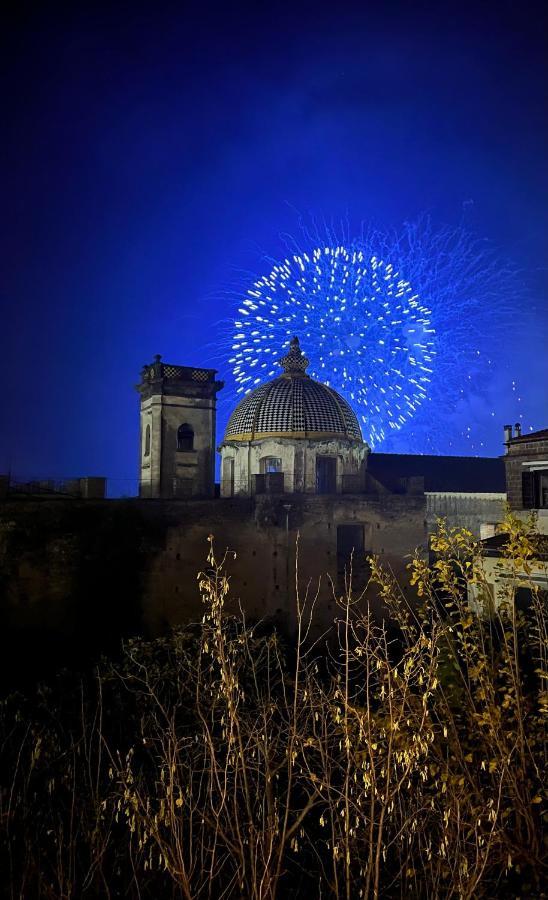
column 526, row 463
column 526, row 467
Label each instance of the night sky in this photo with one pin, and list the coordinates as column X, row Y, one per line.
column 151, row 152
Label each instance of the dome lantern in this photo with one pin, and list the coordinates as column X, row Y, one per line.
column 294, row 362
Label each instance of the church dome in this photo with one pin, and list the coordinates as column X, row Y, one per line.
column 293, row 406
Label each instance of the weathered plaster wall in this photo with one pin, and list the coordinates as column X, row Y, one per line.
column 298, row 459
column 461, row 510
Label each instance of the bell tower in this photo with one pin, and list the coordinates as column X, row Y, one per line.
column 177, row 445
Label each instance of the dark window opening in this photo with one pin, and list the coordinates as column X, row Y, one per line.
column 185, row 438
column 147, row 441
column 326, row 474
column 523, row 599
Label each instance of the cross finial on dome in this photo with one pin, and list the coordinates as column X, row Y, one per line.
column 294, row 362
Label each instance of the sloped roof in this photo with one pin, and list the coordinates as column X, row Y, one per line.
column 463, row 474
column 541, row 435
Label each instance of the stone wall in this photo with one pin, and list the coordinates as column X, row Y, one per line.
column 77, row 575
column 266, row 538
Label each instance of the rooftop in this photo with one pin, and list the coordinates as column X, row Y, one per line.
column 456, row 474
column 541, row 435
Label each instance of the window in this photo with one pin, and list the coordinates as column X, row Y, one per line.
column 541, row 490
column 535, row 489
column 270, row 464
column 147, row 441
column 185, row 438
column 523, row 598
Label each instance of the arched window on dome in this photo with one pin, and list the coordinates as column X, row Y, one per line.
column 185, row 438
column 270, row 464
column 146, row 451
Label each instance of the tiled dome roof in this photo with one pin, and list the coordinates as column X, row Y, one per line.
column 293, row 405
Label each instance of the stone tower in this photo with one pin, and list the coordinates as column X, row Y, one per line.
column 177, row 449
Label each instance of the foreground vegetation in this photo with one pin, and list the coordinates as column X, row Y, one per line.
column 396, row 757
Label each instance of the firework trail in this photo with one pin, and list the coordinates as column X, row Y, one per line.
column 396, row 321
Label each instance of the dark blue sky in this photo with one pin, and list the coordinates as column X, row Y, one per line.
column 148, row 153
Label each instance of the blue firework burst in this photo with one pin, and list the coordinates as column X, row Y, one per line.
column 406, row 324
column 363, row 327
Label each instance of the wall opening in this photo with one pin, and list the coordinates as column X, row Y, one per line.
column 185, row 438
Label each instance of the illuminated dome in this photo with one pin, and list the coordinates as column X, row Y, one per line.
column 293, row 406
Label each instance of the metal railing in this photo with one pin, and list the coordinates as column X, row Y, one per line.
column 289, row 483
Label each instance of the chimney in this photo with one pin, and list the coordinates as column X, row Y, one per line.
column 507, row 436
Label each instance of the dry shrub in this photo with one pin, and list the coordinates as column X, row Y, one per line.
column 409, row 758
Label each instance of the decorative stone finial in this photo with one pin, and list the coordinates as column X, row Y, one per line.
column 295, row 362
